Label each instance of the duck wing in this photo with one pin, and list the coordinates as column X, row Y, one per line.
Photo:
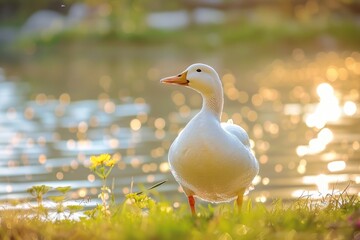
column 237, row 132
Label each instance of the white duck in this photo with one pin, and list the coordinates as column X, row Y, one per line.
column 210, row 160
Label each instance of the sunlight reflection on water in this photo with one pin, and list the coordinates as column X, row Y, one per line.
column 303, row 120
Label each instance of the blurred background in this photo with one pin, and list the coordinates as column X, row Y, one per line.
column 80, row 78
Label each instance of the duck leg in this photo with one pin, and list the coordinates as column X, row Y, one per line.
column 239, row 200
column 192, row 204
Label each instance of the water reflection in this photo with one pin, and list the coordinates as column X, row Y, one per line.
column 331, row 121
column 302, row 116
column 48, row 140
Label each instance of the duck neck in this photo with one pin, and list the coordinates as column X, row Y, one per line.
column 213, row 103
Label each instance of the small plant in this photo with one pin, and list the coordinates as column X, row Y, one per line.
column 38, row 192
column 102, row 165
column 61, row 209
column 140, row 200
column 59, row 200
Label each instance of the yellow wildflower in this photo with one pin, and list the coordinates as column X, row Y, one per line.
column 99, row 160
column 111, row 163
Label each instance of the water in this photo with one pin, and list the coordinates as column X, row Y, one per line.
column 301, row 112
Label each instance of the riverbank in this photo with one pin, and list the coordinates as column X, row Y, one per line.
column 333, row 217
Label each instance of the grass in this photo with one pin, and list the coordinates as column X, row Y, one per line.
column 335, row 216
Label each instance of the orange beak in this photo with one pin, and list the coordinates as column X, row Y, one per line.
column 177, row 80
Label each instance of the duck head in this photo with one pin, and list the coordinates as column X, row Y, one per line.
column 199, row 77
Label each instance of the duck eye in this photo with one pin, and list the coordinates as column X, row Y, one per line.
column 198, row 70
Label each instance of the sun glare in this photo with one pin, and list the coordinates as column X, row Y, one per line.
column 350, row 108
column 336, row 166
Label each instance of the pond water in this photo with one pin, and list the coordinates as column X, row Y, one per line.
column 60, row 106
